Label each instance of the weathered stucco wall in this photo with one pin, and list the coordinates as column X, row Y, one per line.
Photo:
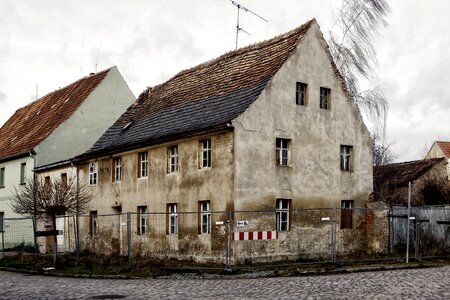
column 436, row 152
column 314, row 178
column 99, row 111
column 185, row 188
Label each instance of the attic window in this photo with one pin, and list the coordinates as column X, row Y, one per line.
column 12, row 141
column 67, row 100
column 127, row 125
column 38, row 112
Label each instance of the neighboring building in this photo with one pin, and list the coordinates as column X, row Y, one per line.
column 427, row 177
column 58, row 126
column 266, row 127
column 440, row 149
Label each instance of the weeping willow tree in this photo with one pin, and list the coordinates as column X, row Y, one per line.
column 355, row 25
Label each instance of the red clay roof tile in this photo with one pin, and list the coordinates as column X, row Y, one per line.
column 31, row 124
column 445, row 147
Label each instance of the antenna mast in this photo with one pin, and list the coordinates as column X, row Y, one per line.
column 239, row 28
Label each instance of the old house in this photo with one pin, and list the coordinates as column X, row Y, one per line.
column 440, row 149
column 53, row 129
column 268, row 127
column 428, row 178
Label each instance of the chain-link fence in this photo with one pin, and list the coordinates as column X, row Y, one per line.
column 237, row 238
column 16, row 234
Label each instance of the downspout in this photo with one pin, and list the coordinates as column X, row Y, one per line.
column 32, row 154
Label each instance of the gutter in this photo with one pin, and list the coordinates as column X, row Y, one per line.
column 53, row 165
column 17, row 155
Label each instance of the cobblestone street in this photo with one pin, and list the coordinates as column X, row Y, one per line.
column 431, row 283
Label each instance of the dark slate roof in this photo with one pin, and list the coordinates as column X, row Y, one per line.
column 33, row 123
column 399, row 174
column 202, row 98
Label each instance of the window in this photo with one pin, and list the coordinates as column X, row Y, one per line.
column 346, row 214
column 22, row 172
column 142, row 219
column 2, row 216
column 2, row 177
column 93, row 173
column 173, row 218
column 205, row 217
column 324, row 98
column 93, row 225
column 205, row 153
column 172, row 159
column 64, row 180
column 300, row 96
column 282, row 152
column 346, row 158
column 117, row 169
column 47, row 184
column 143, row 164
column 282, row 214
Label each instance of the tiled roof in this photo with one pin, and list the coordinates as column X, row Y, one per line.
column 399, row 174
column 31, row 124
column 445, row 147
column 204, row 97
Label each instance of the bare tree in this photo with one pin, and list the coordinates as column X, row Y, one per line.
column 44, row 198
column 382, row 153
column 358, row 22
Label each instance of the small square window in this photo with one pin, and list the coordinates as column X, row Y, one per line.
column 117, row 169
column 282, row 214
column 325, row 98
column 142, row 220
column 205, row 217
column 172, row 159
column 172, row 225
column 93, row 173
column 282, row 151
column 300, row 98
column 143, row 164
column 204, row 153
column 346, row 158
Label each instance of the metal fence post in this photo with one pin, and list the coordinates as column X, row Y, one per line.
column 333, row 237
column 129, row 238
column 417, row 238
column 228, row 231
column 407, row 222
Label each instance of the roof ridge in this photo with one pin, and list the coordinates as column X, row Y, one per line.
column 64, row 87
column 413, row 161
column 239, row 51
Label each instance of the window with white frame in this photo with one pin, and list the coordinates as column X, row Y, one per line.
column 325, row 98
column 282, row 151
column 346, row 158
column 282, row 214
column 300, row 96
column 117, row 169
column 173, row 218
column 93, row 226
column 93, row 173
column 172, row 159
column 143, row 164
column 205, row 217
column 22, row 172
column 2, row 177
column 205, row 153
column 142, row 219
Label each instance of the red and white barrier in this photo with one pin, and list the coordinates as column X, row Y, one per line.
column 255, row 235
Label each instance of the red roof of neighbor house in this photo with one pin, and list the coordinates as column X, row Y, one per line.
column 445, row 147
column 31, row 124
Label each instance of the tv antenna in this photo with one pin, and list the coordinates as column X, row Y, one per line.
column 238, row 27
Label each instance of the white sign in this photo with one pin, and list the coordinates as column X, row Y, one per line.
column 219, row 222
column 325, row 218
column 240, row 224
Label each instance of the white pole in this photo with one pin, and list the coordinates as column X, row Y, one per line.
column 407, row 223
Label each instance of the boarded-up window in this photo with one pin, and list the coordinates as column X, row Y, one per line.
column 346, row 214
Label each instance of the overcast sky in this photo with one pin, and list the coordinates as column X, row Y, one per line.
column 53, row 43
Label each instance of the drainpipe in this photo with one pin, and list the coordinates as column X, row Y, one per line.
column 33, row 156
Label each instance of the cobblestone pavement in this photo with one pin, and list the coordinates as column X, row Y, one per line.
column 432, row 283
